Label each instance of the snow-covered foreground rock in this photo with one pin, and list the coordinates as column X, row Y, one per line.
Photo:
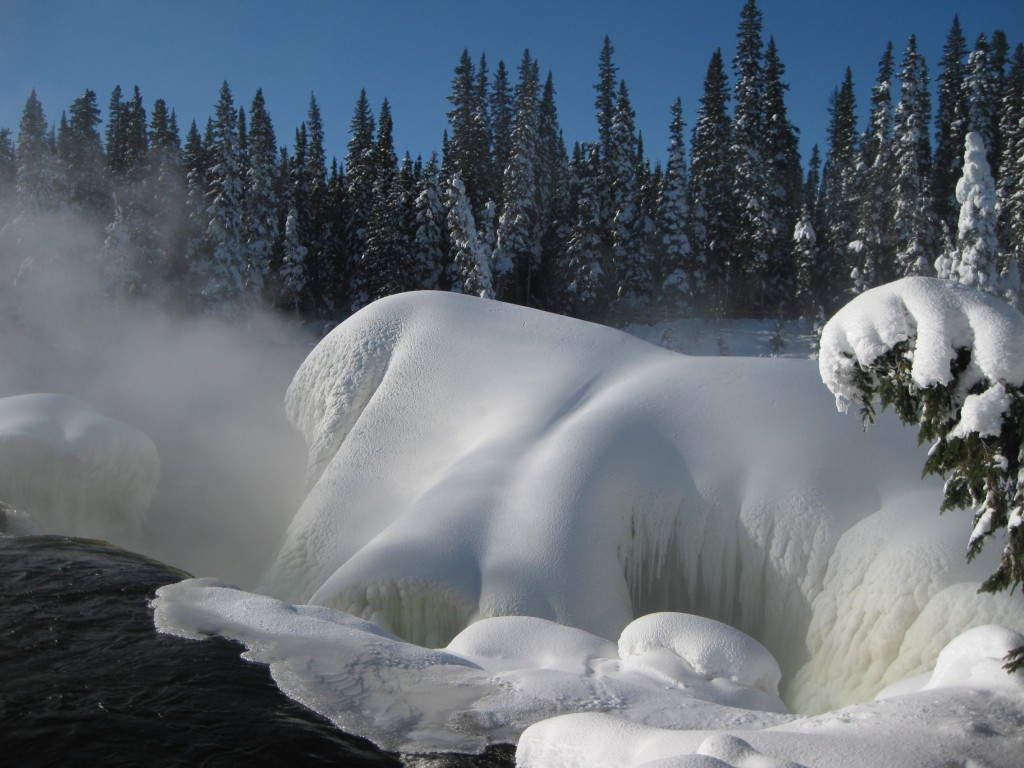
column 65, row 469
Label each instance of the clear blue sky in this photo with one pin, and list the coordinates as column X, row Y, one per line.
column 405, row 50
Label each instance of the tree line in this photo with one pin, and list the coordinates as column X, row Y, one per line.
column 228, row 218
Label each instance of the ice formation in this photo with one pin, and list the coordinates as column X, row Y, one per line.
column 469, row 459
column 73, row 471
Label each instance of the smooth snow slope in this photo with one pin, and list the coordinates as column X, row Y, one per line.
column 75, row 472
column 471, row 459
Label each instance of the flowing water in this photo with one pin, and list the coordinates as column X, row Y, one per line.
column 85, row 679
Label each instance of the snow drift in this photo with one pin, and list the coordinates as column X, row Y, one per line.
column 75, row 472
column 469, row 459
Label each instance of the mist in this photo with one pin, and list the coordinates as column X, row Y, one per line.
column 209, row 393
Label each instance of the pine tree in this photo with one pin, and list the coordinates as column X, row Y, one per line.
column 472, row 262
column 553, row 197
column 841, row 196
column 874, row 258
column 316, row 233
column 164, row 198
column 785, row 175
column 360, row 173
column 292, row 276
column 683, row 278
column 8, row 176
column 222, row 275
column 502, row 112
column 808, row 265
column 630, row 255
column 976, row 256
column 36, row 174
column 81, row 154
column 983, row 90
column 711, row 202
column 469, row 151
column 517, row 251
column 914, row 221
column 429, row 245
column 1011, row 176
column 585, row 251
column 261, row 204
column 951, row 125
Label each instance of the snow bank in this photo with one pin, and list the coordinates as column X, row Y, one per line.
column 964, row 711
column 74, row 471
column 470, row 459
column 492, row 681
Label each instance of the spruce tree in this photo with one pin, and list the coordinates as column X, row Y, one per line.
column 915, row 228
column 873, row 252
column 517, row 251
column 682, row 278
column 471, row 260
column 164, row 198
column 502, row 112
column 468, row 152
column 261, row 184
column 841, row 182
column 36, row 174
column 222, row 275
column 983, row 89
column 630, row 255
column 974, row 262
column 1011, row 175
column 360, row 174
column 711, row 202
column 429, row 244
column 81, row 154
column 951, row 125
column 585, row 251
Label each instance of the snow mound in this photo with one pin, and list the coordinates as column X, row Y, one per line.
column 964, row 708
column 75, row 472
column 709, row 647
column 470, row 459
column 942, row 316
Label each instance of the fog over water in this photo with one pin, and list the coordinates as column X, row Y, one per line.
column 208, row 392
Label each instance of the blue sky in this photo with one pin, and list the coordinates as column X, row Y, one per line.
column 405, row 50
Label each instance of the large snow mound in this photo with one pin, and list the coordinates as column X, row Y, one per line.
column 75, row 472
column 470, row 459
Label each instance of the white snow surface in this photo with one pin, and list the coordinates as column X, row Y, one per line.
column 511, row 487
column 68, row 470
column 942, row 316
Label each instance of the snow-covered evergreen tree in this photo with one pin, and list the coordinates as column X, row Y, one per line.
column 982, row 87
column 260, row 224
column 754, row 227
column 518, row 242
column 808, row 265
column 873, row 236
column 36, row 173
column 472, row 260
column 360, row 174
column 711, row 202
column 292, row 276
column 81, row 155
column 585, row 249
column 630, row 225
column 951, row 125
column 841, row 192
column 469, row 144
column 429, row 245
column 683, row 278
column 915, row 227
column 1010, row 188
column 222, row 274
column 974, row 261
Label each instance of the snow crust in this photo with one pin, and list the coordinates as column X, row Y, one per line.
column 68, row 470
column 943, row 316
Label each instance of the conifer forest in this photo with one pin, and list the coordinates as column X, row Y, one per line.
column 235, row 214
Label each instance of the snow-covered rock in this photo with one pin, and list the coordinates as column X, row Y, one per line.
column 470, row 459
column 68, row 470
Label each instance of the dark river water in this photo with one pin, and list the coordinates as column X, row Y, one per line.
column 85, row 679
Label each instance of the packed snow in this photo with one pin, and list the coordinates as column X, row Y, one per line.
column 65, row 469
